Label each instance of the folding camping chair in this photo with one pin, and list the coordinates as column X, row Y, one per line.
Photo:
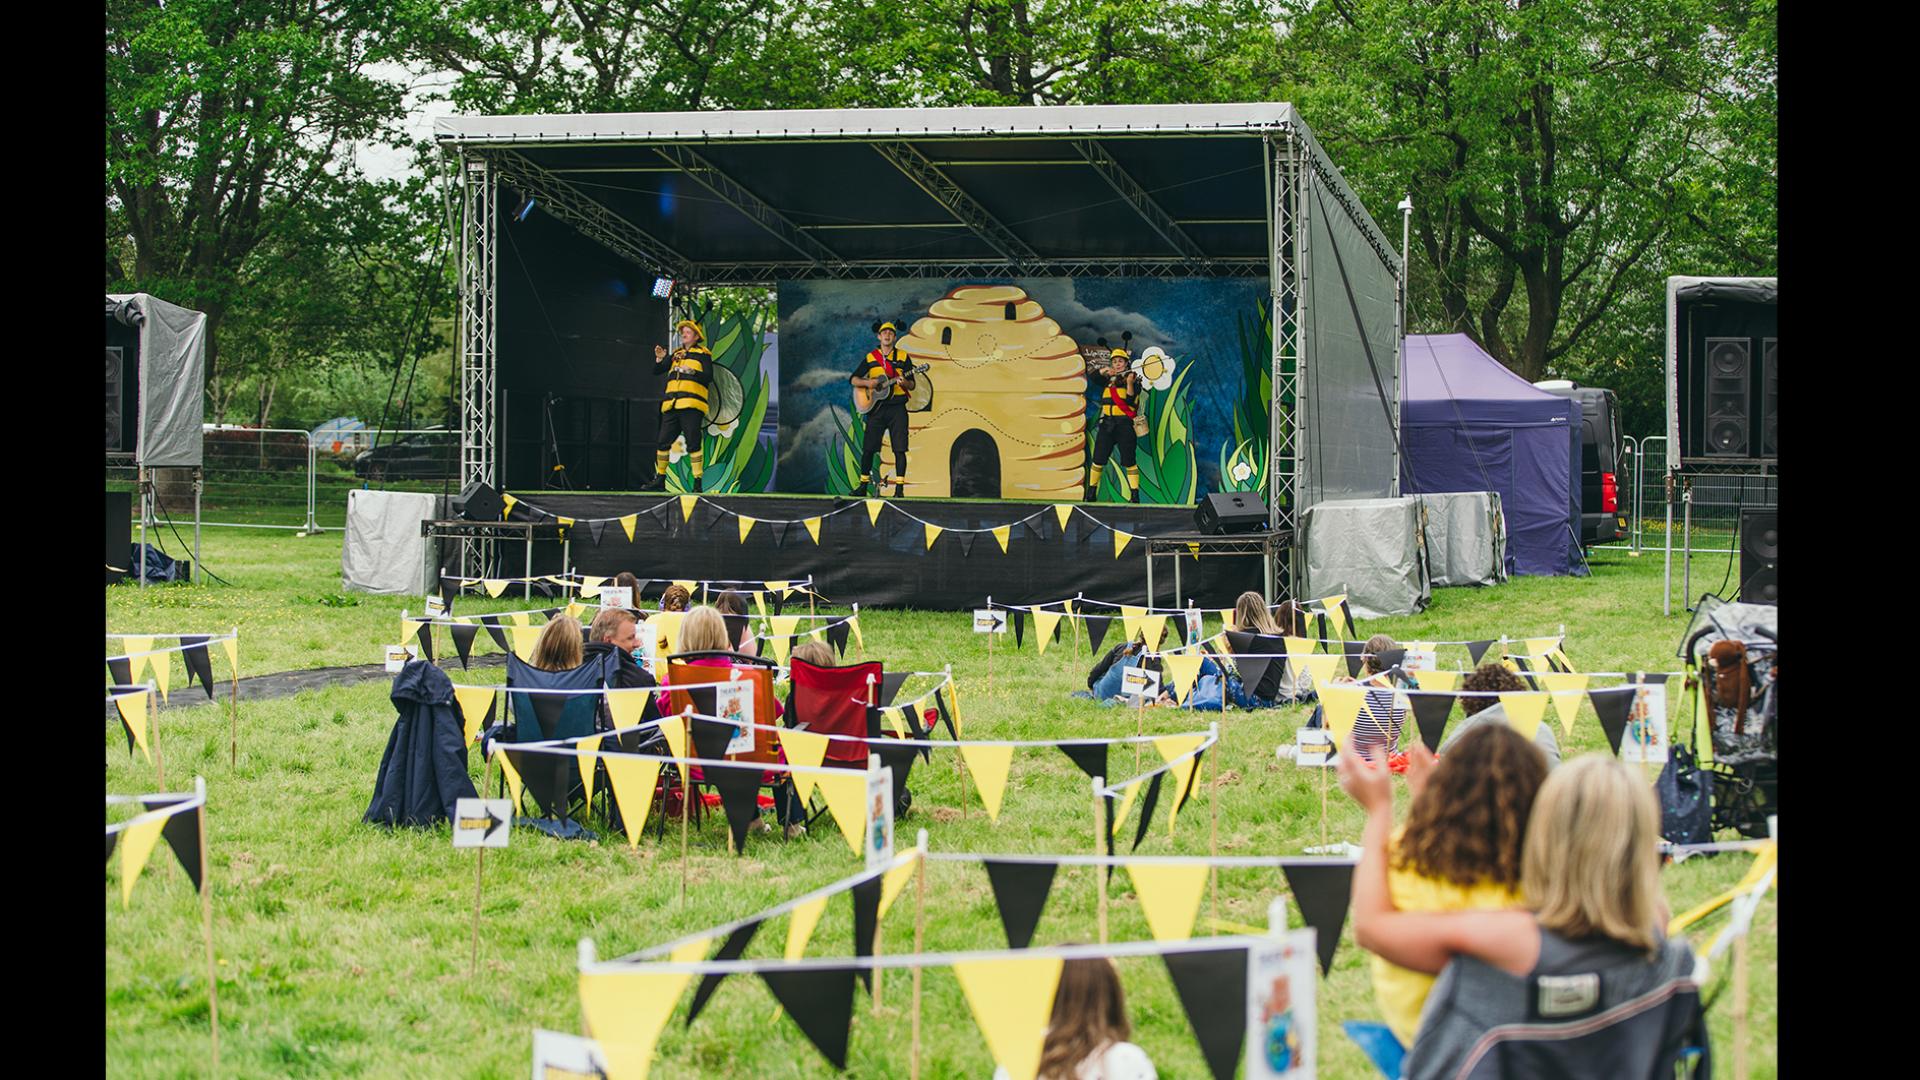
column 833, row 701
column 546, row 717
column 685, row 682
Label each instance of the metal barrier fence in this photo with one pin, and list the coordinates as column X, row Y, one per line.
column 282, row 478
column 1716, row 502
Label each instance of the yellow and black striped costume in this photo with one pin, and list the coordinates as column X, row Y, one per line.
column 683, row 411
column 888, row 418
column 1119, row 401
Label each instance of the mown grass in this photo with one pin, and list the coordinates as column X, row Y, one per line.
column 343, row 949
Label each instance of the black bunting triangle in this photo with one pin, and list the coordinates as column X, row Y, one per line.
column 182, row 831
column 890, row 684
column 1097, row 631
column 1193, row 777
column 778, row 599
column 1355, row 652
column 940, row 704
column 122, row 671
column 1322, row 891
column 866, row 922
column 546, row 711
column 1091, row 757
column 463, row 635
column 1390, row 659
column 1020, row 892
column 1147, row 804
column 737, row 787
column 1212, row 986
column 1346, row 612
column 112, row 839
column 820, row 1000
column 1320, row 626
column 595, row 528
column 1430, row 712
column 1525, row 670
column 551, row 612
column 194, row 655
column 499, row 636
column 1253, row 669
column 128, row 728
column 1613, row 705
column 544, row 776
column 424, row 632
column 1019, row 627
column 1478, row 649
column 837, row 637
column 730, row 949
column 966, row 542
column 449, row 589
column 1107, row 826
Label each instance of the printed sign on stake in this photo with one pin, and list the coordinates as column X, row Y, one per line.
column 1282, row 978
column 620, row 596
column 880, row 818
column 1138, row 682
column 398, row 655
column 482, row 822
column 733, row 704
column 1316, row 747
column 557, row 1056
column 1420, row 659
column 1645, row 740
column 436, row 606
column 989, row 621
column 1193, row 626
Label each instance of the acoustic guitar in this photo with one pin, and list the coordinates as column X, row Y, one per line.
column 864, row 399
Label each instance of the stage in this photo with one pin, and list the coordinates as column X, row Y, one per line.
column 885, row 559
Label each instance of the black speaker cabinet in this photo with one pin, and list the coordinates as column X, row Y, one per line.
column 1759, row 555
column 1729, row 363
column 1231, row 512
column 478, row 502
column 119, row 533
column 1769, row 397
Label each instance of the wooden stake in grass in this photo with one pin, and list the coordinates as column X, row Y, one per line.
column 1099, row 846
column 991, row 634
column 153, row 733
column 1213, row 831
column 686, row 803
column 479, row 869
column 206, row 925
column 233, row 706
column 873, row 766
column 919, row 940
column 1740, row 1007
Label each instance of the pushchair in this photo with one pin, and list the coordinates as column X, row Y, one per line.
column 1732, row 647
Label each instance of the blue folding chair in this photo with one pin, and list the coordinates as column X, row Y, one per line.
column 1377, row 1041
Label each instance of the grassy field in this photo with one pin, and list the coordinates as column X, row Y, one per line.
column 343, row 949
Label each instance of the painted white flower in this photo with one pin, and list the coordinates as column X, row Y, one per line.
column 1242, row 470
column 1156, row 368
column 679, row 451
column 725, row 430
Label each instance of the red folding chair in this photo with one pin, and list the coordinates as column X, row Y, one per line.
column 833, row 701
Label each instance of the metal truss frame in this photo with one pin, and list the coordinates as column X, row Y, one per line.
column 760, row 273
column 824, row 260
column 1137, row 197
column 1285, row 176
column 965, row 209
column 479, row 367
column 567, row 202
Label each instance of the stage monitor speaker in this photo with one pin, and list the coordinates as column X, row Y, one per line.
column 1231, row 512
column 119, row 534
column 1729, row 365
column 478, row 502
column 1759, row 555
column 1769, row 397
column 116, row 360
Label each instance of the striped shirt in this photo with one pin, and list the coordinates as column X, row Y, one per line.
column 1376, row 730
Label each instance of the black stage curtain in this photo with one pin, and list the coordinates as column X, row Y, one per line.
column 889, row 565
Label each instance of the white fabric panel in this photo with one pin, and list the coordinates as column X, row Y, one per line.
column 384, row 551
column 1368, row 549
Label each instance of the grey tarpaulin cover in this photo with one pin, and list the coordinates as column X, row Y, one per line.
column 384, row 551
column 173, row 366
column 1466, row 538
column 1368, row 549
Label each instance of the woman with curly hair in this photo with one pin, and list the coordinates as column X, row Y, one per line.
column 1460, row 847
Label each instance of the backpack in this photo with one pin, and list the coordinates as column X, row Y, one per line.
column 1735, row 651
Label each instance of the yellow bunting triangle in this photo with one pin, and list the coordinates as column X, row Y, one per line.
column 1171, row 747
column 988, row 764
column 626, row 1012
column 136, row 843
column 847, row 799
column 1183, row 670
column 1541, row 646
column 1335, row 618
column 1561, row 655
column 632, row 777
column 895, row 720
column 674, row 728
column 627, row 524
column 873, row 510
column 690, row 952
column 513, row 778
column 409, row 627
column 1130, row 618
column 1063, row 511
column 1566, row 690
column 510, row 502
column 162, row 672
column 1437, row 680
column 896, row 879
column 933, row 533
column 854, row 625
column 232, row 645
column 1012, row 1001
column 806, row 915
column 746, row 526
column 1169, row 896
column 519, row 618
column 819, row 635
column 133, row 709
column 564, row 521
column 687, row 505
column 1524, row 711
column 1120, row 541
column 524, row 638
column 139, row 663
column 782, row 635
column 494, row 586
column 813, row 528
column 626, row 707
column 589, row 754
column 687, row 584
column 778, row 586
column 1003, row 534
column 1341, row 703
column 1155, row 627
column 473, row 702
column 1322, row 666
column 1126, row 805
column 1044, row 622
column 1298, row 649
column 668, row 623
column 575, row 609
column 804, row 749
column 590, row 584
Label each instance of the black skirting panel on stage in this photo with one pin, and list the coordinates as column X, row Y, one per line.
column 889, row 564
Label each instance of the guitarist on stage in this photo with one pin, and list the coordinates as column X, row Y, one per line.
column 888, row 417
column 683, row 413
column 1119, row 407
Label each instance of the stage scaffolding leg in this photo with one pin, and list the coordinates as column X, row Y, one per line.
column 199, row 476
column 1283, row 179
column 479, row 231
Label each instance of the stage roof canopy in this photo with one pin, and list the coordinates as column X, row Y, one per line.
column 706, row 197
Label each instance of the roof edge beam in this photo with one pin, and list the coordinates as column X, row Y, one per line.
column 586, row 215
column 939, row 187
column 709, row 176
column 1136, row 196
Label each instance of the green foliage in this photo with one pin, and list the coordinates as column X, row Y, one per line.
column 1252, row 413
column 843, row 454
column 1165, row 457
column 737, row 460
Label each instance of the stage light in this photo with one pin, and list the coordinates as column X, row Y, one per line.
column 524, row 211
column 662, row 288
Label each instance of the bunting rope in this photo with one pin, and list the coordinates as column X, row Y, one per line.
column 833, row 889
column 1229, row 861
column 187, row 801
column 886, row 741
column 1115, row 789
column 591, row 966
column 212, row 639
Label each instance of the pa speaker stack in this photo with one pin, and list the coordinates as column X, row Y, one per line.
column 1728, row 363
column 1227, row 512
column 478, row 502
column 1759, row 555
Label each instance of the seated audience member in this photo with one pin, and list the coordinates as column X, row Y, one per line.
column 1103, row 682
column 1488, row 710
column 615, row 633
column 733, row 608
column 1378, row 724
column 626, row 580
column 1564, row 985
column 558, row 647
column 1459, row 849
column 1087, row 1035
column 705, row 630
column 1251, row 614
column 676, row 598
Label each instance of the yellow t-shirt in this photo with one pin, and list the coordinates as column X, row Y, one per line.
column 1402, row 993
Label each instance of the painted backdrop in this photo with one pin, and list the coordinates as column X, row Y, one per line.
column 1011, row 413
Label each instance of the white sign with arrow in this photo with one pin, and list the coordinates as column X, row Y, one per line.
column 482, row 822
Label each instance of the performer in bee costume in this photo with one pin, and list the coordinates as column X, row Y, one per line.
column 683, row 414
column 888, row 417
column 1119, row 404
